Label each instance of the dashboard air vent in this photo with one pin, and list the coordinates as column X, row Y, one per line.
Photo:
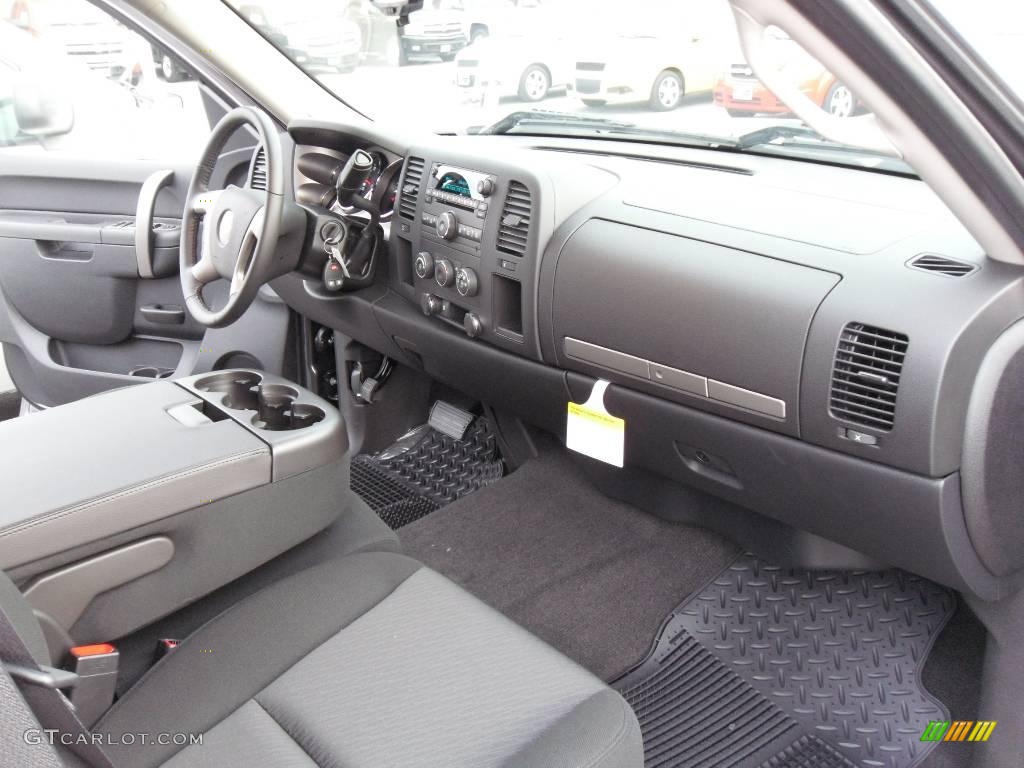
column 942, row 265
column 866, row 375
column 258, row 175
column 410, row 188
column 514, row 231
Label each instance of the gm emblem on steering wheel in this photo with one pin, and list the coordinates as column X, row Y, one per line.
column 227, row 220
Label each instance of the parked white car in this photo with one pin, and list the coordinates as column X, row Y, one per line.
column 525, row 66
column 640, row 63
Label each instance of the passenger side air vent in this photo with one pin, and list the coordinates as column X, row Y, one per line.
column 942, row 265
column 514, row 231
column 866, row 375
column 258, row 175
column 410, row 188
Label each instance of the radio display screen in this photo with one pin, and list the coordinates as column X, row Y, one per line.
column 455, row 183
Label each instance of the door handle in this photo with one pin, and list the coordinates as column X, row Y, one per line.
column 164, row 314
column 144, row 220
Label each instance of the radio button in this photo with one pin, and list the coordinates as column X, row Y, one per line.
column 447, row 226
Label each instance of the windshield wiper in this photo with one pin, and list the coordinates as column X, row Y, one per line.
column 520, row 122
column 794, row 135
column 547, row 118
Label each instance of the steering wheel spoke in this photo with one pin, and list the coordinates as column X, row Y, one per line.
column 247, row 253
column 235, row 233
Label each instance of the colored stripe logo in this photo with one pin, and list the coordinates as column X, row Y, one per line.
column 958, row 730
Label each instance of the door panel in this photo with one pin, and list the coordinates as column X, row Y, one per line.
column 76, row 317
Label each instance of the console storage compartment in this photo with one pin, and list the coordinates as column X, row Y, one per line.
column 239, row 463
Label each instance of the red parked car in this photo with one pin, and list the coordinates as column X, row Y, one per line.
column 743, row 95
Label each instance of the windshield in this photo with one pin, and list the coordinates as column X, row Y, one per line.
column 655, row 70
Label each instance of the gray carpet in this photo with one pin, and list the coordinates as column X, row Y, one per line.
column 952, row 673
column 593, row 577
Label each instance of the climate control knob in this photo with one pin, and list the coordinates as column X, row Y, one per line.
column 430, row 304
column 472, row 324
column 447, row 226
column 424, row 265
column 444, row 273
column 465, row 281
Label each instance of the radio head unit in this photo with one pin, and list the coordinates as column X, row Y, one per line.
column 460, row 187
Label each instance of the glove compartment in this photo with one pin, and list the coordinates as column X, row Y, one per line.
column 712, row 327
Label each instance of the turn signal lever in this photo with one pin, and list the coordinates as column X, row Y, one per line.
column 352, row 178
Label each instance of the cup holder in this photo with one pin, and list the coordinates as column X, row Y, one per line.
column 274, row 404
column 240, row 389
column 278, row 412
column 150, row 372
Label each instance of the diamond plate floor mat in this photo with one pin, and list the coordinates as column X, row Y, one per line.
column 777, row 668
column 425, row 470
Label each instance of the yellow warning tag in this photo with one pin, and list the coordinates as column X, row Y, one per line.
column 594, row 432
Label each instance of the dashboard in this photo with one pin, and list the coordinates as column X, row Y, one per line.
column 819, row 344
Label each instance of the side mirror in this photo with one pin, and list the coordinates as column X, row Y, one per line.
column 42, row 106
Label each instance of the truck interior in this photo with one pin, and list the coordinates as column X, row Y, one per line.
column 354, row 444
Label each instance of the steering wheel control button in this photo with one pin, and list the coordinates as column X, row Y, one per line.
column 466, row 282
column 430, row 304
column 447, row 226
column 472, row 324
column 424, row 265
column 444, row 272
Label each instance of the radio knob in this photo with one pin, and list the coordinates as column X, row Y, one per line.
column 485, row 187
column 472, row 324
column 465, row 281
column 444, row 273
column 447, row 226
column 430, row 304
column 424, row 265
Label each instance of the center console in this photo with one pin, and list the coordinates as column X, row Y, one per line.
column 164, row 491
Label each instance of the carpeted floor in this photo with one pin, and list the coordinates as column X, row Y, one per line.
column 593, row 577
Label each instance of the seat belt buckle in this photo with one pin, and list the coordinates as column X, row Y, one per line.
column 164, row 646
column 96, row 667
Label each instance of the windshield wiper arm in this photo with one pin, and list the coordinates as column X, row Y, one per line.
column 513, row 120
column 601, row 126
column 779, row 134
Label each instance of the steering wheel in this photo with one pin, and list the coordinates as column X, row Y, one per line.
column 242, row 228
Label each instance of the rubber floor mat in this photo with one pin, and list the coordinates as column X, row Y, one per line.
column 784, row 668
column 406, row 483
